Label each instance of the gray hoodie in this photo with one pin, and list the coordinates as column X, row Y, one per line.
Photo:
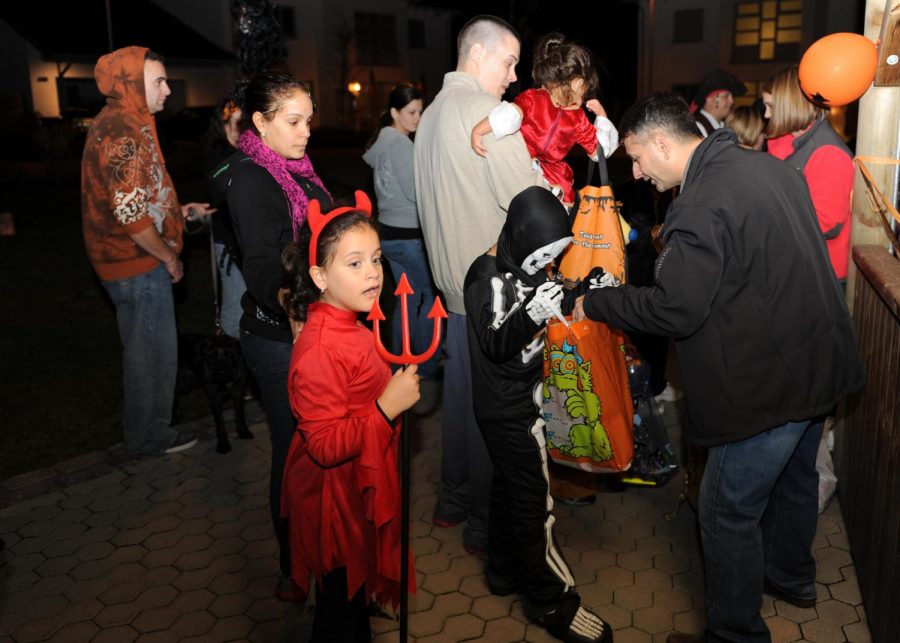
column 391, row 157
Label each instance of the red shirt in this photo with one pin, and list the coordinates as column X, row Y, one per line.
column 829, row 176
column 550, row 132
column 341, row 491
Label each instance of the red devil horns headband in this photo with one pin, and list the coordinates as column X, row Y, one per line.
column 318, row 221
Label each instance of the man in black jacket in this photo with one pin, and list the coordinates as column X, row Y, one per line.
column 765, row 345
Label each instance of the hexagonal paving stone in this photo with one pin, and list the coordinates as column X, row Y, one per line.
column 672, row 563
column 632, row 635
column 156, row 619
column 464, row 626
column 858, row 632
column 75, row 632
column 433, row 563
column 653, row 619
column 652, row 579
column 615, row 577
column 829, row 561
column 673, row 600
column 474, row 587
column 491, row 607
column 230, row 605
column 633, row 597
column 634, row 561
column 441, row 583
column 504, row 630
column 832, row 616
column 116, row 634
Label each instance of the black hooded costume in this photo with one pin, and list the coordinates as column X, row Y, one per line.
column 506, row 348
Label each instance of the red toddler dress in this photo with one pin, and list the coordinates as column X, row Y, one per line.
column 550, row 132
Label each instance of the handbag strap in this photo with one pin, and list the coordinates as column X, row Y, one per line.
column 600, row 163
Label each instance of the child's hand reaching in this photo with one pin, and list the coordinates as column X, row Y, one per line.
column 477, row 144
column 401, row 392
column 595, row 107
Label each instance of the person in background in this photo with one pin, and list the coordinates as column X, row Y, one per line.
column 390, row 155
column 715, row 99
column 748, row 126
column 799, row 133
column 462, row 199
column 765, row 343
column 267, row 186
column 224, row 132
column 133, row 224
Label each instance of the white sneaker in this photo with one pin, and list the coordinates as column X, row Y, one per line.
column 669, row 394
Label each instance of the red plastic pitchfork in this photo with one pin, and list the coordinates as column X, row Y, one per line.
column 406, row 357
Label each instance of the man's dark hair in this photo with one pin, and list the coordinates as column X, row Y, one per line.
column 662, row 110
column 152, row 55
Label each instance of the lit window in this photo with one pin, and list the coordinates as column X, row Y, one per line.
column 789, row 35
column 769, row 30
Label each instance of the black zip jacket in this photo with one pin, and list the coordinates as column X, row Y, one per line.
column 745, row 287
column 262, row 223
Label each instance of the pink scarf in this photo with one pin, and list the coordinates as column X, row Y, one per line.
column 281, row 170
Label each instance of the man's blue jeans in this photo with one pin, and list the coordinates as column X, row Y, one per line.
column 758, row 514
column 145, row 313
column 408, row 255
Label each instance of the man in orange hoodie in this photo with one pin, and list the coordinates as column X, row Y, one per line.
column 132, row 224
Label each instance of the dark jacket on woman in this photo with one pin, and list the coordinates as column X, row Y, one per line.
column 262, row 223
column 744, row 285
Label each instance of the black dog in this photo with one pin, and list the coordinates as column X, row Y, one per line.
column 217, row 363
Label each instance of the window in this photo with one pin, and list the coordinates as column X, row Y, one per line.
column 376, row 39
column 769, row 30
column 284, row 14
column 416, row 34
column 687, row 26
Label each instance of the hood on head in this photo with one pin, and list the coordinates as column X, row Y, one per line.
column 535, row 219
column 120, row 77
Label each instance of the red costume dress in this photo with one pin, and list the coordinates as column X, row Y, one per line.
column 550, row 132
column 341, row 489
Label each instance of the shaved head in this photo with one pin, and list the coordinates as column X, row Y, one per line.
column 487, row 31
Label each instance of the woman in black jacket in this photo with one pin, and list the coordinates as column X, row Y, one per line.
column 268, row 186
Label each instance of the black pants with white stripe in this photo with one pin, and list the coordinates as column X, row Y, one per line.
column 523, row 555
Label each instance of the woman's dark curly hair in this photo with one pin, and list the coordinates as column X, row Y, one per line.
column 301, row 291
column 264, row 92
column 558, row 61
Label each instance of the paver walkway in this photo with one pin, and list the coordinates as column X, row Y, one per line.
column 180, row 548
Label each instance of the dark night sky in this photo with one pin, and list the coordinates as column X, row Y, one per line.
column 611, row 35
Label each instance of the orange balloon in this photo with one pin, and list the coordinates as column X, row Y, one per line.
column 838, row 68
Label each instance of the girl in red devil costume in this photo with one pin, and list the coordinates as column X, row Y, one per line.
column 341, row 489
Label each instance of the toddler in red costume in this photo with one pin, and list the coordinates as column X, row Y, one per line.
column 341, row 489
column 551, row 118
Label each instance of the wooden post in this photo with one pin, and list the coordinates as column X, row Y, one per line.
column 878, row 133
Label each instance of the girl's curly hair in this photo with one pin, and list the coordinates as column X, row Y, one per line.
column 300, row 290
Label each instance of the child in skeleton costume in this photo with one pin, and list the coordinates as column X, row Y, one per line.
column 508, row 302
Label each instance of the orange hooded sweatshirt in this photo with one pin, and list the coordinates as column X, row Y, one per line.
column 125, row 187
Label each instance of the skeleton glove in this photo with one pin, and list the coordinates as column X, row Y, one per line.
column 545, row 302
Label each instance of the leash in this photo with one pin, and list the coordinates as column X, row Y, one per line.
column 214, row 266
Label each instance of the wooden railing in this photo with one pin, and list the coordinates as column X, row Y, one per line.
column 867, row 452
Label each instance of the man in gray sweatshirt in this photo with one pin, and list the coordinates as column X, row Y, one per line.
column 462, row 200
